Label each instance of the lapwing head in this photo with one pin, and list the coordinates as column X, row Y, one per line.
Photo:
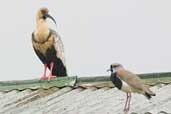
column 114, row 67
column 43, row 13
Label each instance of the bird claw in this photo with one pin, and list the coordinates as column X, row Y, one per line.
column 43, row 78
column 126, row 110
column 50, row 77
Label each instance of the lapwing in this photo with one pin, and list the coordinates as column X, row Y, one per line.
column 128, row 82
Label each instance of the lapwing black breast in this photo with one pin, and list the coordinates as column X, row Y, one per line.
column 119, row 83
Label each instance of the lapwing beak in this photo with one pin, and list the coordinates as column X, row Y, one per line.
column 108, row 70
column 49, row 16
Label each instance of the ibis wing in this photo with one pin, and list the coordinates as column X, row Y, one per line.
column 38, row 53
column 58, row 46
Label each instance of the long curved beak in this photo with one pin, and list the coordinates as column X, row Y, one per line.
column 49, row 16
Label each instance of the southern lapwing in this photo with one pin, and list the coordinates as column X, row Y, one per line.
column 128, row 82
column 48, row 46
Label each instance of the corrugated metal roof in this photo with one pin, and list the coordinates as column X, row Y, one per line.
column 82, row 101
column 85, row 98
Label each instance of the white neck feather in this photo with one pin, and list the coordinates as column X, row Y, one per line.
column 42, row 30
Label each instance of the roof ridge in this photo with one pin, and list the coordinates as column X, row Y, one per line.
column 74, row 81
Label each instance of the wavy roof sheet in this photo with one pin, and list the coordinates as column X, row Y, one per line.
column 85, row 96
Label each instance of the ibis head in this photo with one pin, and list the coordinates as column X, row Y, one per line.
column 43, row 13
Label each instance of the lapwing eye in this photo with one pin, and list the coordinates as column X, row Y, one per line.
column 115, row 66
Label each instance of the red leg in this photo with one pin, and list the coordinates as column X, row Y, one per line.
column 127, row 96
column 51, row 68
column 44, row 74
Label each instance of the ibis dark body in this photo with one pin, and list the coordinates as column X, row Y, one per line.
column 50, row 55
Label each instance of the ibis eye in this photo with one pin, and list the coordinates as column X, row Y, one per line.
column 44, row 17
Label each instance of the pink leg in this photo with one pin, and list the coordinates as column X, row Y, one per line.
column 129, row 102
column 126, row 103
column 44, row 74
column 51, row 68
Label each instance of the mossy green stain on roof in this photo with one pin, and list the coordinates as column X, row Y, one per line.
column 36, row 84
column 142, row 76
column 98, row 81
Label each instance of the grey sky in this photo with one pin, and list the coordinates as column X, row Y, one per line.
column 96, row 33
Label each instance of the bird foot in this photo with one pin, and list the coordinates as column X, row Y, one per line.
column 43, row 78
column 126, row 110
column 50, row 77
